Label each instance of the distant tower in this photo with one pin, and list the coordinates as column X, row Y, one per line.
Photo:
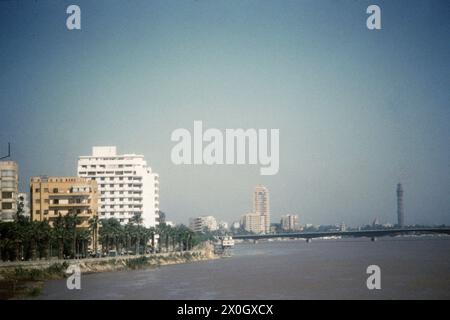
column 400, row 213
column 261, row 207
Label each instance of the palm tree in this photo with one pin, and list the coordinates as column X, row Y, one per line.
column 71, row 221
column 152, row 232
column 32, row 235
column 93, row 227
column 83, row 238
column 59, row 234
column 45, row 238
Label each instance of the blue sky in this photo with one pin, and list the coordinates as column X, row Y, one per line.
column 358, row 110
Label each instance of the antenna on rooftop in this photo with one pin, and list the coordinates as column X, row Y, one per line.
column 9, row 152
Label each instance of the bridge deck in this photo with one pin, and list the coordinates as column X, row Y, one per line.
column 357, row 233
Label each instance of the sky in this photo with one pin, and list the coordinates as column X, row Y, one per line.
column 358, row 110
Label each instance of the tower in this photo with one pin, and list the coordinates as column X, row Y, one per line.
column 261, row 207
column 400, row 213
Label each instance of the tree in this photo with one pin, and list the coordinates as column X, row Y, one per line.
column 93, row 227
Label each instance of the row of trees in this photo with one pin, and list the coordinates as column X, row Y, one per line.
column 135, row 238
column 30, row 240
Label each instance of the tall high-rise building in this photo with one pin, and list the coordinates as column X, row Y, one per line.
column 400, row 213
column 127, row 185
column 9, row 190
column 261, row 206
column 52, row 197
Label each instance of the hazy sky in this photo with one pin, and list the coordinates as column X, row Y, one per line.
column 358, row 110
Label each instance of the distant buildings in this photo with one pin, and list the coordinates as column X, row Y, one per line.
column 258, row 221
column 203, row 223
column 127, row 185
column 54, row 196
column 223, row 225
column 400, row 213
column 290, row 222
column 235, row 225
column 9, row 190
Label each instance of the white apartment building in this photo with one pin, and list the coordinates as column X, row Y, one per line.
column 126, row 184
column 199, row 224
column 9, row 190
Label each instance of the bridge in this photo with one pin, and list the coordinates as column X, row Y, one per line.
column 373, row 234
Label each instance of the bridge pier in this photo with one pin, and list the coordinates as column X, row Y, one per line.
column 373, row 239
column 308, row 240
column 255, row 241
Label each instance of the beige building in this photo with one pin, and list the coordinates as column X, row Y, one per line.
column 54, row 196
column 289, row 222
column 253, row 222
column 9, row 190
column 261, row 206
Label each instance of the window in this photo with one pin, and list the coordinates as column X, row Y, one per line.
column 45, row 212
column 7, row 205
column 38, row 212
column 7, row 195
column 55, row 190
column 46, row 190
column 8, row 173
column 7, row 184
column 37, row 201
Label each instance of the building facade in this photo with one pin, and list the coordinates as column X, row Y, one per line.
column 253, row 222
column 201, row 223
column 290, row 222
column 261, row 206
column 126, row 184
column 55, row 196
column 9, row 190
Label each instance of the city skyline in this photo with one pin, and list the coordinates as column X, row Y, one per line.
column 358, row 111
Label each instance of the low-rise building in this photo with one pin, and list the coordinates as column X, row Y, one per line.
column 253, row 222
column 55, row 196
column 201, row 223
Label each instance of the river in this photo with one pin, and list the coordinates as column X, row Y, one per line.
column 411, row 268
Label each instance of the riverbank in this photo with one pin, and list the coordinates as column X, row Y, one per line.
column 19, row 280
